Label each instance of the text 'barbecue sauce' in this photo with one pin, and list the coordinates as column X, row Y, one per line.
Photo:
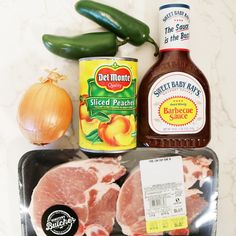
column 174, row 96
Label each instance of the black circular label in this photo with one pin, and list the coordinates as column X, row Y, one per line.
column 60, row 220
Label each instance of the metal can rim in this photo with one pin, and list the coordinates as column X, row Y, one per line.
column 107, row 151
column 108, row 58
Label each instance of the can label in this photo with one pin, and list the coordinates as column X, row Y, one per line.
column 107, row 110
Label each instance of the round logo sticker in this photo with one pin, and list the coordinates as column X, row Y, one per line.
column 60, row 220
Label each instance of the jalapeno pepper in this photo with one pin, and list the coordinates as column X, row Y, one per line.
column 86, row 45
column 118, row 22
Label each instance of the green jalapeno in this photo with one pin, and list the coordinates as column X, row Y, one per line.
column 86, row 45
column 118, row 22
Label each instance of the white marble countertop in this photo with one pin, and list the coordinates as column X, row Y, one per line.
column 24, row 58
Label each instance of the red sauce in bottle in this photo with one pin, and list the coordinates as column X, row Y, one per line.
column 174, row 96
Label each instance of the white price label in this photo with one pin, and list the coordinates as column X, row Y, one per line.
column 163, row 190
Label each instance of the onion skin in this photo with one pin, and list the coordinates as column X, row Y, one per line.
column 44, row 113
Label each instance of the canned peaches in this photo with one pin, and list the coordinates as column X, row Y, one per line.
column 107, row 109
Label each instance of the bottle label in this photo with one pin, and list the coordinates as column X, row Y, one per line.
column 174, row 27
column 176, row 104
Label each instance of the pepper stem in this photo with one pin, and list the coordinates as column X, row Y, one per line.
column 152, row 41
column 120, row 43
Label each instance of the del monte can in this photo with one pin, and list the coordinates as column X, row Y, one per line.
column 107, row 110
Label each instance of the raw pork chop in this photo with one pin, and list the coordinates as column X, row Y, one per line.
column 102, row 211
column 130, row 209
column 86, row 187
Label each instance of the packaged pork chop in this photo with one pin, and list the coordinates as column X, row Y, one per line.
column 139, row 193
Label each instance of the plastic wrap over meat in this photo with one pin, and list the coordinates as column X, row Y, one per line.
column 106, row 195
column 130, row 208
column 86, row 187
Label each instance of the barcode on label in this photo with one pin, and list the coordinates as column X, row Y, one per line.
column 157, row 202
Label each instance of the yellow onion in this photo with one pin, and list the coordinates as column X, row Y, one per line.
column 45, row 111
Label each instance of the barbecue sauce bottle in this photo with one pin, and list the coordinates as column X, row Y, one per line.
column 174, row 96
